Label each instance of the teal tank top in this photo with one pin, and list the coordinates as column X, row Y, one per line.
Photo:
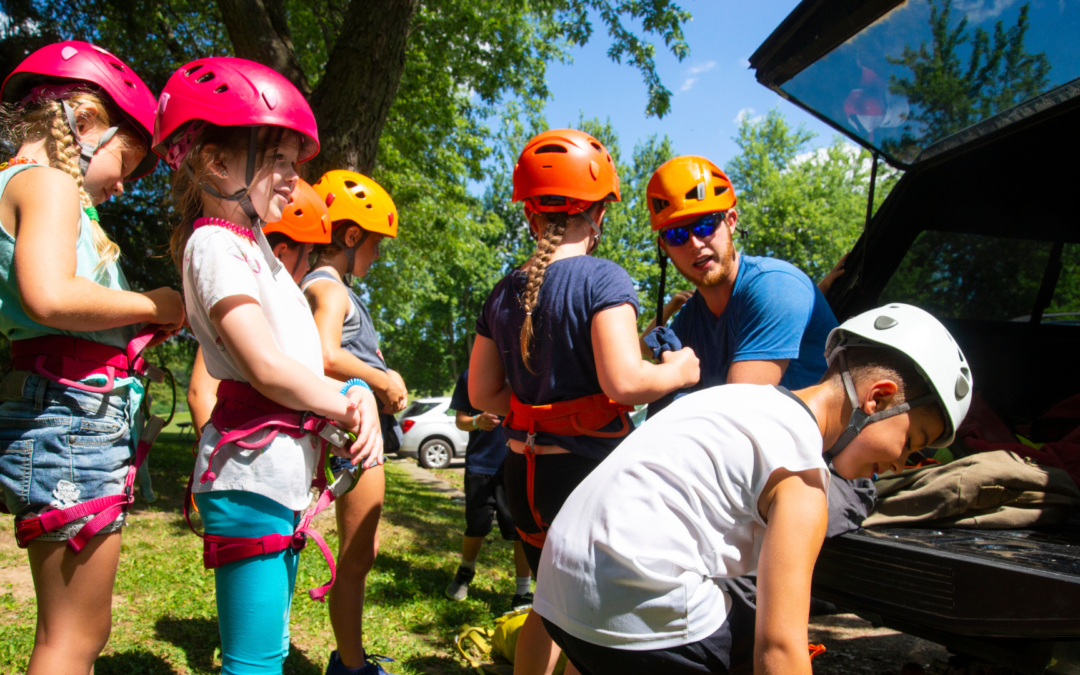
column 15, row 324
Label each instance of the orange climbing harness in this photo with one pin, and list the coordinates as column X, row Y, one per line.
column 576, row 417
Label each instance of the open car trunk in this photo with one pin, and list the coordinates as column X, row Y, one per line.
column 983, row 232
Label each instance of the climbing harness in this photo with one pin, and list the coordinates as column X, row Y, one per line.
column 66, row 360
column 577, row 417
column 240, row 412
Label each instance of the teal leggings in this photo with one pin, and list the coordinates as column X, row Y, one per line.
column 253, row 595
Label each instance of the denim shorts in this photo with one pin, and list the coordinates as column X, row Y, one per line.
column 61, row 446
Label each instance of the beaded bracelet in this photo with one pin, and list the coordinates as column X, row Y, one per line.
column 354, row 382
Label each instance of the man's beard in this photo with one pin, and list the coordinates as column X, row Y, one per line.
column 719, row 272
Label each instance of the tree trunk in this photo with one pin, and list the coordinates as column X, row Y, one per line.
column 363, row 72
column 259, row 30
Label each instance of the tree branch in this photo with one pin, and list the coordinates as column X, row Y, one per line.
column 259, row 30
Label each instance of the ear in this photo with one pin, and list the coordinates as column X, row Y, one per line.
column 732, row 220
column 879, row 396
column 530, row 216
column 352, row 235
column 86, row 117
column 280, row 249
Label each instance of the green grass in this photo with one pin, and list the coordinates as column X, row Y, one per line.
column 164, row 619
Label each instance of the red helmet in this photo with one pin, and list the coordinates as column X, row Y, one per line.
column 230, row 92
column 72, row 62
column 564, row 170
column 305, row 219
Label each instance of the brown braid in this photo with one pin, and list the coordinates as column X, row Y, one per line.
column 554, row 230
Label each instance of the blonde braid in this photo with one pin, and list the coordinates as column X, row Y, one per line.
column 65, row 156
column 545, row 249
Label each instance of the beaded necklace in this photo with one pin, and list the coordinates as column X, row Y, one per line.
column 91, row 212
column 239, row 231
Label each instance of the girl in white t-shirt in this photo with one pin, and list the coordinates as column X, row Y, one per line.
column 234, row 131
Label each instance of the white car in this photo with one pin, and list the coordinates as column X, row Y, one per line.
column 430, row 434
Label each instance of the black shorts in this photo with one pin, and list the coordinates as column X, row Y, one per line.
column 485, row 497
column 730, row 649
column 556, row 477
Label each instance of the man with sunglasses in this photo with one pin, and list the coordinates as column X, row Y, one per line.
column 752, row 319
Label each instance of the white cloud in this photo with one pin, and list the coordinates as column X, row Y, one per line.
column 746, row 114
column 981, row 10
column 689, row 82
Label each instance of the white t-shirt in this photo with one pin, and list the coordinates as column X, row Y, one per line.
column 219, row 264
column 632, row 558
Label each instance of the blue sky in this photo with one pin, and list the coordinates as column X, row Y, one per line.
column 711, row 87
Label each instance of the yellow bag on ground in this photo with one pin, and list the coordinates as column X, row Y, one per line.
column 476, row 645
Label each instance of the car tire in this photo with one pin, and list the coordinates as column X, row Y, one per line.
column 435, row 453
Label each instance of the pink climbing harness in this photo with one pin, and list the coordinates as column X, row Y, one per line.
column 65, row 360
column 240, row 412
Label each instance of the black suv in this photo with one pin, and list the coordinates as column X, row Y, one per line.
column 979, row 104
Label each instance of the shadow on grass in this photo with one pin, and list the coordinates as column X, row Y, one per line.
column 199, row 638
column 133, row 663
column 438, row 665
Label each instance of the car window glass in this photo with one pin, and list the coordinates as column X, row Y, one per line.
column 417, row 408
column 968, row 276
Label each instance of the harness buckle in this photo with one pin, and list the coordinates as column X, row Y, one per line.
column 530, row 440
column 299, row 541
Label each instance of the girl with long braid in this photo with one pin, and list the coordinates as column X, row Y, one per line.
column 557, row 350
column 69, row 423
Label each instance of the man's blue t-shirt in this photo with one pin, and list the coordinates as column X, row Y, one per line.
column 574, row 290
column 486, row 449
column 775, row 312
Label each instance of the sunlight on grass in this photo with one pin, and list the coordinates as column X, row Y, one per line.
column 164, row 619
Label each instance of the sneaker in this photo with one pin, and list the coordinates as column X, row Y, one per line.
column 371, row 665
column 521, row 600
column 459, row 587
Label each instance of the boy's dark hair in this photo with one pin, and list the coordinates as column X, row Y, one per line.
column 881, row 363
column 275, row 238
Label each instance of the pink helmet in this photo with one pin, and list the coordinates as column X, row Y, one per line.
column 72, row 62
column 230, row 92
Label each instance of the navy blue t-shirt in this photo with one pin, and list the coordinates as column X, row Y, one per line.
column 574, row 290
column 486, row 449
column 775, row 312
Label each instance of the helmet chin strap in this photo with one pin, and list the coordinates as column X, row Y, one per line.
column 595, row 228
column 243, row 197
column 860, row 419
column 86, row 150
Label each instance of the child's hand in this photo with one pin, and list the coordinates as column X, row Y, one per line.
column 168, row 308
column 368, row 448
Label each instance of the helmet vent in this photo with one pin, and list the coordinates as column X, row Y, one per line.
column 884, row 322
column 717, row 191
column 659, row 205
column 543, row 150
column 697, row 192
column 222, row 89
column 205, row 77
column 299, row 212
column 129, row 83
column 962, row 387
column 595, row 145
column 368, row 205
column 116, row 65
column 191, row 71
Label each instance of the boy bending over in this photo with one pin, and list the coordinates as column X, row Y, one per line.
column 730, row 480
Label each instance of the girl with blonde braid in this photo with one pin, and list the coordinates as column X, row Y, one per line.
column 82, row 123
column 557, row 349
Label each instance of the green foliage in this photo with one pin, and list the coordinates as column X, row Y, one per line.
column 946, row 95
column 804, row 206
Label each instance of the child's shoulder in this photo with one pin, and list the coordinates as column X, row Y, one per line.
column 44, row 183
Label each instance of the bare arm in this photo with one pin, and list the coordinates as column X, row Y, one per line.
column 797, row 518
column 330, row 305
column 240, row 322
column 623, row 375
column 757, row 372
column 43, row 204
column 202, row 394
column 488, row 389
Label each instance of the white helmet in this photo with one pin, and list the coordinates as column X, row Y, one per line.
column 927, row 343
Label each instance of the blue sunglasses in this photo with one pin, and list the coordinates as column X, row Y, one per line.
column 702, row 228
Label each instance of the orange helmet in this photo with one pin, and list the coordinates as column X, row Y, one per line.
column 564, row 170
column 687, row 186
column 353, row 196
column 305, row 218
